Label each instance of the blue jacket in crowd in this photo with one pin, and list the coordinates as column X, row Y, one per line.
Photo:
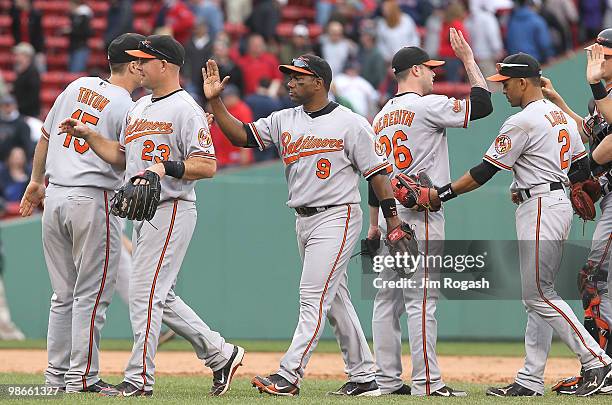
column 528, row 33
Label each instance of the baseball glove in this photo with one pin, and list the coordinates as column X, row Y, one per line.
column 584, row 195
column 402, row 240
column 138, row 201
column 414, row 192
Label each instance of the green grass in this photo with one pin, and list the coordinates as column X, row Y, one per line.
column 187, row 390
column 505, row 349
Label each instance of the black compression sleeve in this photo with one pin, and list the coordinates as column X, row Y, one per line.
column 480, row 100
column 251, row 141
column 483, row 172
column 579, row 170
column 372, row 199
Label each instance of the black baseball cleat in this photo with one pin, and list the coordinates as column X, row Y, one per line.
column 593, row 380
column 607, row 387
column 125, row 389
column 97, row 387
column 447, row 391
column 274, row 384
column 567, row 386
column 353, row 389
column 223, row 378
column 512, row 390
column 403, row 390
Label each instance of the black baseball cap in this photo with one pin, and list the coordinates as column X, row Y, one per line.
column 160, row 47
column 604, row 38
column 124, row 42
column 519, row 65
column 311, row 65
column 410, row 56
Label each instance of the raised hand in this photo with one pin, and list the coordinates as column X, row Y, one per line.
column 32, row 198
column 595, row 64
column 460, row 46
column 213, row 86
column 74, row 127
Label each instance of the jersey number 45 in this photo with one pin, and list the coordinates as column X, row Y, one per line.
column 79, row 144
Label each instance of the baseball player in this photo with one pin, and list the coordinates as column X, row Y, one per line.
column 324, row 148
column 81, row 240
column 542, row 147
column 416, row 144
column 165, row 133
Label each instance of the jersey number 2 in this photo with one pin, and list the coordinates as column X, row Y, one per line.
column 564, row 138
column 401, row 154
column 79, row 144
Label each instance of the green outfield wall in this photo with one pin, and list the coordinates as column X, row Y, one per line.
column 242, row 269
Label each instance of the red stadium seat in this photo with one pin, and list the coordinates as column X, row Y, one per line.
column 53, row 8
column 99, row 24
column 457, row 90
column 55, row 24
column 296, row 13
column 48, row 96
column 59, row 43
column 6, row 41
column 142, row 8
column 8, row 76
column 235, row 30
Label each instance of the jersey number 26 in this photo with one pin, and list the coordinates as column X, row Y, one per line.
column 401, row 154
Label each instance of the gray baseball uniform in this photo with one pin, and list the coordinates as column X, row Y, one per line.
column 169, row 128
column 411, row 131
column 324, row 154
column 80, row 238
column 538, row 145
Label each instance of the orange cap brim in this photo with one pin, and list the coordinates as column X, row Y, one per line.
column 434, row 63
column 497, row 78
column 606, row 50
column 294, row 69
column 139, row 54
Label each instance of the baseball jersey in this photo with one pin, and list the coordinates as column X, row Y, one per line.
column 172, row 127
column 538, row 145
column 411, row 131
column 70, row 161
column 324, row 153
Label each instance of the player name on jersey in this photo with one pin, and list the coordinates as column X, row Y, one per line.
column 307, row 145
column 90, row 97
column 556, row 118
column 395, row 117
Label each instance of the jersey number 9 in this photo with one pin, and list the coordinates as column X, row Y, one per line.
column 401, row 154
column 323, row 168
column 79, row 144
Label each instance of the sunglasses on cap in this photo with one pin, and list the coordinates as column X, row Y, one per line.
column 500, row 66
column 301, row 63
column 146, row 46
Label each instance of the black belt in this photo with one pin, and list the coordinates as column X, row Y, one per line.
column 553, row 187
column 310, row 211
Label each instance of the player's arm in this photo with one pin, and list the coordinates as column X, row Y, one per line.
column 464, row 53
column 552, row 95
column 603, row 152
column 384, row 193
column 231, row 127
column 108, row 150
column 35, row 191
column 474, row 178
column 374, row 207
column 193, row 168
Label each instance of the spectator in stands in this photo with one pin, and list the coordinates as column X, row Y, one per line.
column 175, row 17
column 373, row 65
column 119, row 20
column 14, row 132
column 591, row 17
column 258, row 64
column 418, row 10
column 14, row 175
column 485, row 35
column 197, row 51
column 26, row 86
column 433, row 30
column 299, row 44
column 26, row 25
column 527, row 32
column 562, row 14
column 208, row 11
column 227, row 67
column 395, row 30
column 226, row 153
column 354, row 89
column 8, row 330
column 79, row 33
column 237, row 11
column 3, row 87
column 453, row 18
column 265, row 17
column 335, row 48
column 262, row 105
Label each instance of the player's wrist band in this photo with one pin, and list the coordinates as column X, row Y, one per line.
column 599, row 90
column 388, row 207
column 174, row 169
column 446, row 193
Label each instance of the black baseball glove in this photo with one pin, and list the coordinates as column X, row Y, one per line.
column 138, row 201
column 402, row 240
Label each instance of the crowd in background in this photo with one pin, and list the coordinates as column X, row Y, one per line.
column 357, row 38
